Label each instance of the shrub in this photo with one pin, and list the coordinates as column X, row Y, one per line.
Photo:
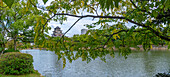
column 16, row 63
column 162, row 75
column 10, row 50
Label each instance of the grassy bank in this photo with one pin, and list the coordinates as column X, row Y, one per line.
column 35, row 74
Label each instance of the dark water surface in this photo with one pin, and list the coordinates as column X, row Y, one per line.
column 138, row 64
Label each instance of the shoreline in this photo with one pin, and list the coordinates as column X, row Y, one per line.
column 140, row 49
column 154, row 47
column 33, row 48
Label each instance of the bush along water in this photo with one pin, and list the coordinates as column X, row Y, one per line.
column 10, row 50
column 16, row 63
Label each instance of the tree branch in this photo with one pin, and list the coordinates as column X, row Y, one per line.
column 118, row 17
column 113, row 17
column 133, row 4
column 3, row 7
column 112, row 35
column 69, row 29
column 3, row 25
column 22, row 40
column 65, row 45
column 138, row 7
column 124, row 31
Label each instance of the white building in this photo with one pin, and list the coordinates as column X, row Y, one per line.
column 83, row 31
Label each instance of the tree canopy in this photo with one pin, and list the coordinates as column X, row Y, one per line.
column 149, row 19
column 18, row 20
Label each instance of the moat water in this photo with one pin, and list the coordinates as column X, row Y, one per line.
column 138, row 64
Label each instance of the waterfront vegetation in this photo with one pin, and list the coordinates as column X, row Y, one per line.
column 16, row 64
column 119, row 24
column 34, row 74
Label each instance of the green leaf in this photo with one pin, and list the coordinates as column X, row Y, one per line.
column 147, row 8
column 155, row 14
column 116, row 3
column 162, row 1
column 45, row 1
column 0, row 49
column 8, row 2
column 88, row 60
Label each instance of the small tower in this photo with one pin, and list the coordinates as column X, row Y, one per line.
column 83, row 31
column 57, row 32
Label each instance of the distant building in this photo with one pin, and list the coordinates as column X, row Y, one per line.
column 83, row 31
column 57, row 32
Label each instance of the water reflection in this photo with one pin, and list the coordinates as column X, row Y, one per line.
column 138, row 64
column 148, row 63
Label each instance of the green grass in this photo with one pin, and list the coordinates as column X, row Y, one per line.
column 35, row 74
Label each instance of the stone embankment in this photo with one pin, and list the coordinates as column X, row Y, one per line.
column 154, row 47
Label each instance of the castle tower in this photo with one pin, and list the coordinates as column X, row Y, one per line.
column 57, row 32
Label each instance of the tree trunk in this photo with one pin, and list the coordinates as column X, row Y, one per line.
column 3, row 48
column 15, row 47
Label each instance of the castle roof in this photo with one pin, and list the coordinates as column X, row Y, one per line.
column 57, row 27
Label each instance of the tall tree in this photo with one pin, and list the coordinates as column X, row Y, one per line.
column 18, row 21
